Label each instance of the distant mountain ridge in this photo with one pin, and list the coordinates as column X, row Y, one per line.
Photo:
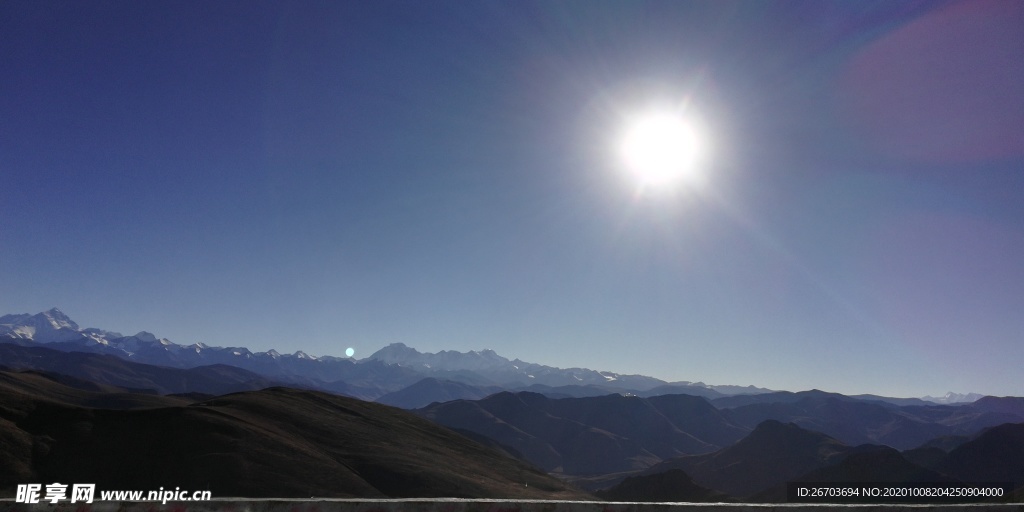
column 108, row 370
column 388, row 370
column 594, row 435
column 858, row 421
column 613, row 434
column 757, row 467
column 953, row 398
column 773, row 452
column 513, row 373
column 68, row 428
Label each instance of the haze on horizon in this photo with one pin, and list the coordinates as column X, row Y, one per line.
column 318, row 176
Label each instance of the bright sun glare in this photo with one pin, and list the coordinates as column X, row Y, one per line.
column 662, row 150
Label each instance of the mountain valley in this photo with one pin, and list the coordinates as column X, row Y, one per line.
column 144, row 411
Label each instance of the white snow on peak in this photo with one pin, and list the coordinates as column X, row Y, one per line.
column 46, row 327
column 953, row 398
column 58, row 320
column 98, row 339
column 24, row 331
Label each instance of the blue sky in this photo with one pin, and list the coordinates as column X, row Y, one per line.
column 321, row 175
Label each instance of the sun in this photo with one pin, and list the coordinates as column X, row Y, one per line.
column 661, row 150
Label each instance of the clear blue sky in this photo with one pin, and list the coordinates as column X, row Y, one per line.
column 321, row 175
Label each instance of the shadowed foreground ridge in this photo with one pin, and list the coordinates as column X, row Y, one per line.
column 288, row 443
column 673, row 485
column 278, row 442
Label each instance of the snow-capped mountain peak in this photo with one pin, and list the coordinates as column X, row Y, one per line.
column 54, row 326
column 46, row 327
column 58, row 320
column 954, row 398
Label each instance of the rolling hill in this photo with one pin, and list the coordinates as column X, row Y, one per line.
column 772, row 454
column 109, row 370
column 593, row 435
column 277, row 442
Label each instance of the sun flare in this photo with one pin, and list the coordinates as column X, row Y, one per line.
column 661, row 150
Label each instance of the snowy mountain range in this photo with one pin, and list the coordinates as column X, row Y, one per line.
column 953, row 398
column 390, row 369
column 53, row 327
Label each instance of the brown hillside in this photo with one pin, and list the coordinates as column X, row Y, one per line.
column 277, row 442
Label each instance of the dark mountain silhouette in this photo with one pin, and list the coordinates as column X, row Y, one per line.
column 777, row 397
column 946, row 443
column 591, row 390
column 926, row 457
column 278, row 442
column 863, row 464
column 626, row 434
column 72, row 391
column 456, row 386
column 857, row 422
column 474, row 416
column 883, row 464
column 772, row 454
column 431, row 390
column 683, row 389
column 892, row 401
column 698, row 418
column 994, row 455
column 670, row 486
column 931, row 453
column 113, row 371
column 733, row 400
column 587, row 436
column 1000, row 404
column 569, row 391
column 758, row 467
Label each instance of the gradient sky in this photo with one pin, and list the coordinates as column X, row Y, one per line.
column 321, row 175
